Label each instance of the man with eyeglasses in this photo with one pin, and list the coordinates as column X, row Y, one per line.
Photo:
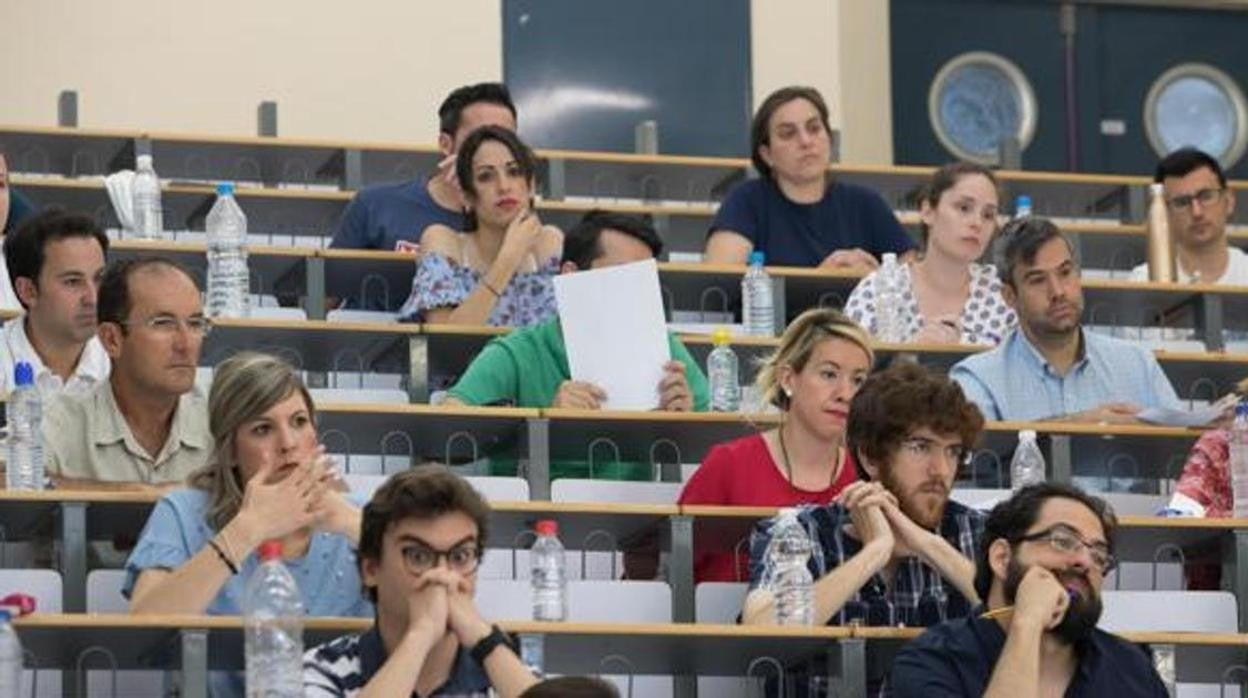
column 1199, row 204
column 421, row 540
column 1046, row 552
column 893, row 549
column 144, row 427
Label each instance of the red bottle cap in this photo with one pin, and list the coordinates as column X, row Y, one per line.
column 270, row 550
column 547, row 527
column 22, row 604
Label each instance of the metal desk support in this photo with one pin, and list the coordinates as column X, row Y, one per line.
column 1061, row 458
column 418, row 369
column 1239, row 562
column 680, row 567
column 74, row 555
column 314, row 279
column 847, row 667
column 538, row 472
column 194, row 662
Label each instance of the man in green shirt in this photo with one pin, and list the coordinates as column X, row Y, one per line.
column 529, row 366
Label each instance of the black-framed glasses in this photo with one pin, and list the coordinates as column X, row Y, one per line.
column 923, row 447
column 168, row 324
column 1064, row 539
column 1206, row 197
column 463, row 558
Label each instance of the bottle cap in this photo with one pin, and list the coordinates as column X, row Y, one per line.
column 889, row 258
column 1156, row 189
column 270, row 550
column 757, row 257
column 143, row 160
column 1022, row 202
column 225, row 189
column 720, row 337
column 23, row 373
column 1027, row 435
column 546, row 527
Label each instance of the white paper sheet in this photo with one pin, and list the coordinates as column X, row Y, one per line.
column 614, row 331
column 1199, row 417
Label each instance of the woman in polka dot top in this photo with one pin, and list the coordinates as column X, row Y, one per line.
column 950, row 297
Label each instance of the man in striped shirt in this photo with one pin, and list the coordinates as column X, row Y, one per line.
column 893, row 549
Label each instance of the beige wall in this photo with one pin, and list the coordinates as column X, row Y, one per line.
column 840, row 47
column 368, row 69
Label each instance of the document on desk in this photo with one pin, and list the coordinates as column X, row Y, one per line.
column 615, row 332
column 1198, row 417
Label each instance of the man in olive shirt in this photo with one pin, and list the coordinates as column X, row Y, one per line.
column 144, row 426
column 529, row 366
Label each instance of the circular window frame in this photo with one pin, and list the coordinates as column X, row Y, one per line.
column 1220, row 78
column 1027, row 101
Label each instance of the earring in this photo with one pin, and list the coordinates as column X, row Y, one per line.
column 788, row 392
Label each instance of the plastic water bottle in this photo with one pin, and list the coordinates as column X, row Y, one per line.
column 549, row 579
column 1022, row 206
column 229, row 283
column 723, row 370
column 10, row 657
column 890, row 311
column 1027, row 466
column 24, row 413
column 791, row 582
column 550, row 590
column 1239, row 460
column 273, row 619
column 757, row 306
column 149, row 219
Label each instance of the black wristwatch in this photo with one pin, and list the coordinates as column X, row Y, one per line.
column 488, row 644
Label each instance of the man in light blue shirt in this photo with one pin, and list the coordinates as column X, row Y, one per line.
column 1049, row 367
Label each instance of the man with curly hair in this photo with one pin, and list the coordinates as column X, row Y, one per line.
column 892, row 549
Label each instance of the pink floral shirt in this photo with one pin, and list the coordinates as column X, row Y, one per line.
column 1206, row 475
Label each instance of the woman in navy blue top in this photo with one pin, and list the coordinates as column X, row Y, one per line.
column 793, row 212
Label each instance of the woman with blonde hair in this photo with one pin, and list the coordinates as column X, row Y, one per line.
column 811, row 378
column 267, row 479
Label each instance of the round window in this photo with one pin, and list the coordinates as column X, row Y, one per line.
column 1194, row 104
column 976, row 101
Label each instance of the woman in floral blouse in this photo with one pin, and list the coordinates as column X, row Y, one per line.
column 949, row 298
column 1204, row 488
column 500, row 271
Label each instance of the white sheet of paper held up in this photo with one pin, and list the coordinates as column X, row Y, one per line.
column 615, row 332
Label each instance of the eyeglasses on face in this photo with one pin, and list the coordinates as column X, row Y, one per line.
column 1206, row 197
column 463, row 558
column 925, row 448
column 1064, row 539
column 168, row 324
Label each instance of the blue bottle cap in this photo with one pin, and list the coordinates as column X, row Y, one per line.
column 5, row 614
column 1022, row 202
column 225, row 189
column 23, row 374
column 758, row 258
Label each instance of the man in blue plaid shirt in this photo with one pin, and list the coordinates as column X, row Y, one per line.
column 893, row 549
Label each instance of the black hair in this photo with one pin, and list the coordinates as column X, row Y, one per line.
column 1010, row 520
column 1185, row 160
column 452, row 109
column 760, row 128
column 25, row 248
column 113, row 304
column 583, row 243
column 1020, row 240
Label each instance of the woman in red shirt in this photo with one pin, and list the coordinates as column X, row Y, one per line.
column 811, row 378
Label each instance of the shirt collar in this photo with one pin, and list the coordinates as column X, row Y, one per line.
column 112, row 427
column 1037, row 360
column 92, row 363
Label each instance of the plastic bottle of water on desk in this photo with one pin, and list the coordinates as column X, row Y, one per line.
column 229, row 283
column 1027, row 466
column 273, row 619
column 24, row 415
column 549, row 579
column 148, row 214
column 791, row 582
column 1022, row 206
column 890, row 315
column 723, row 370
column 11, row 656
column 1239, row 460
column 757, row 305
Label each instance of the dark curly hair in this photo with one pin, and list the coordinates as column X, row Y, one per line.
column 894, row 402
column 424, row 492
